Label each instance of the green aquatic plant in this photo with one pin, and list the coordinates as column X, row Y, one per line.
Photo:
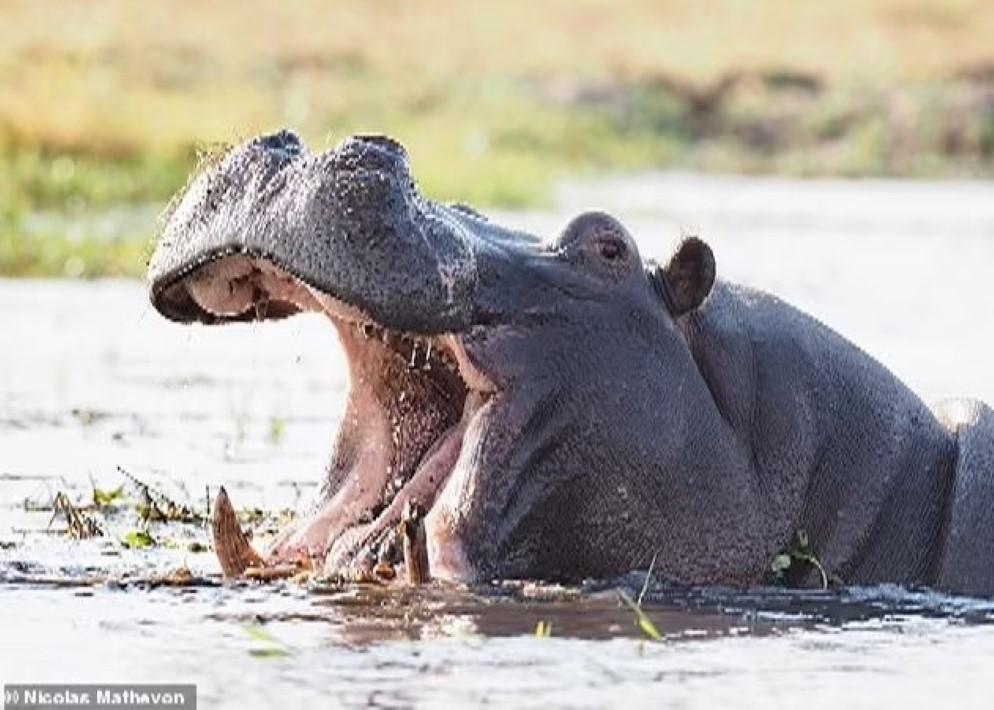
column 277, row 428
column 642, row 621
column 138, row 540
column 103, row 498
column 268, row 646
column 794, row 561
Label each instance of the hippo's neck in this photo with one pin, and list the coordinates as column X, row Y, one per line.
column 841, row 447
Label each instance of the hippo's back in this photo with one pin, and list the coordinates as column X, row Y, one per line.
column 846, row 450
column 968, row 557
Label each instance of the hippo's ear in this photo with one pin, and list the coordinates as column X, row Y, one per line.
column 687, row 278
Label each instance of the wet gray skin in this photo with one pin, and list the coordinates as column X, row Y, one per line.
column 562, row 409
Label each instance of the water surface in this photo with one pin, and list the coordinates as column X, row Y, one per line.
column 92, row 382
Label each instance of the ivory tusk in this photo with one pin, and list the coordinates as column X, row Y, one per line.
column 233, row 551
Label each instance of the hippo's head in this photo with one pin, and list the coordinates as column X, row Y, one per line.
column 531, row 394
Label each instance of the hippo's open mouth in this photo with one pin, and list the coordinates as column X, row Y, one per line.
column 268, row 230
column 412, row 400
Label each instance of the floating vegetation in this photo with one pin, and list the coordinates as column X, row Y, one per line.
column 122, row 516
column 154, row 506
column 103, row 499
column 791, row 565
column 643, row 622
column 277, row 429
column 266, row 645
column 138, row 539
column 79, row 525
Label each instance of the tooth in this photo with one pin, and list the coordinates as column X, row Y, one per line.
column 232, row 549
column 412, row 532
column 260, row 306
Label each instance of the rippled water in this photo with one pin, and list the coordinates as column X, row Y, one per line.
column 92, row 380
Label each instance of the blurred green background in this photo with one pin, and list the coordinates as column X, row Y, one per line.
column 105, row 105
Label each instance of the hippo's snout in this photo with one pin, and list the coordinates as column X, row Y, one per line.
column 349, row 224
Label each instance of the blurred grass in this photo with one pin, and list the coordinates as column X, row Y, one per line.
column 103, row 105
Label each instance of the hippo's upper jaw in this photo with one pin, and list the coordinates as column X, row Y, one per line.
column 347, row 223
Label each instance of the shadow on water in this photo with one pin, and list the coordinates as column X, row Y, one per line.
column 593, row 611
column 364, row 614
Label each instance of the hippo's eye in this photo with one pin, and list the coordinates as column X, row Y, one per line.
column 611, row 249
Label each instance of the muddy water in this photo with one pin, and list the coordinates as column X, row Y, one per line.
column 92, row 382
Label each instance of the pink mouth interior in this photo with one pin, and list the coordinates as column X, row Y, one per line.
column 411, row 402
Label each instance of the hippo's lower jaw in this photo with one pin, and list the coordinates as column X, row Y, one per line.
column 412, row 402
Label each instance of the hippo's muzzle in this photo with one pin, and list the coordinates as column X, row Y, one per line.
column 348, row 224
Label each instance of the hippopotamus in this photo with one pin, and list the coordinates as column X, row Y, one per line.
column 560, row 408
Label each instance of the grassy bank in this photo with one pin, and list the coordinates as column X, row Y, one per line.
column 106, row 104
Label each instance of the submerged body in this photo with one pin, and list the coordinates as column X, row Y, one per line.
column 562, row 409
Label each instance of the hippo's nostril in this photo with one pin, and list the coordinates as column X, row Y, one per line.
column 383, row 142
column 283, row 140
column 371, row 152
